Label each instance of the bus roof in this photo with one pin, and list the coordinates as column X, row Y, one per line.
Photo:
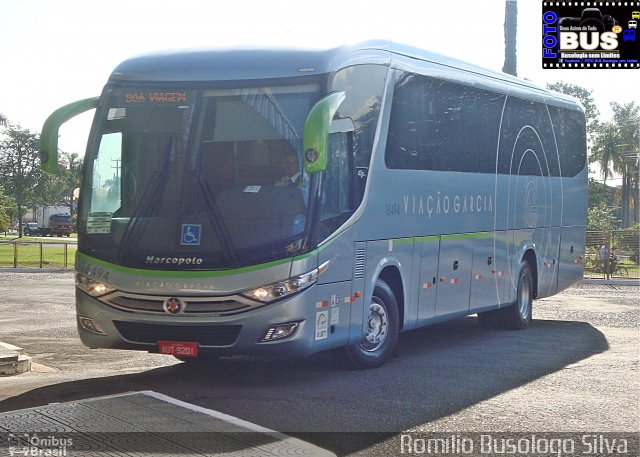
column 229, row 64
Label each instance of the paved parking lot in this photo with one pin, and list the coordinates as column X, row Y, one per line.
column 575, row 370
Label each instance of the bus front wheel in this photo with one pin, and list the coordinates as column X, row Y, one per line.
column 381, row 334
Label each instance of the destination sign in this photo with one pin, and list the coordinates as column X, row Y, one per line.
column 155, row 97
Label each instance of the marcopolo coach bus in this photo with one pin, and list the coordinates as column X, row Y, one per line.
column 423, row 189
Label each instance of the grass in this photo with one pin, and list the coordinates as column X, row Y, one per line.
column 632, row 268
column 9, row 236
column 593, row 269
column 30, row 254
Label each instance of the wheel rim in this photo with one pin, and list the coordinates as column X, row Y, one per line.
column 377, row 327
column 524, row 297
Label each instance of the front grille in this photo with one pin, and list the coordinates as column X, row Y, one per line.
column 204, row 335
column 194, row 305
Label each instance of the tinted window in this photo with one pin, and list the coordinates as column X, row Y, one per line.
column 526, row 140
column 336, row 189
column 440, row 125
column 363, row 85
column 570, row 130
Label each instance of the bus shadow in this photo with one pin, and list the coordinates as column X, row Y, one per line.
column 439, row 370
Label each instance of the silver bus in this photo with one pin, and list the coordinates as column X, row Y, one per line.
column 286, row 202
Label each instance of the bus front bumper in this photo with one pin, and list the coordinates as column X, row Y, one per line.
column 102, row 326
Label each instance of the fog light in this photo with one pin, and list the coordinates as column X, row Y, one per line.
column 280, row 331
column 90, row 325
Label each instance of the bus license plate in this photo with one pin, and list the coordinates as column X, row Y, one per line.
column 178, row 348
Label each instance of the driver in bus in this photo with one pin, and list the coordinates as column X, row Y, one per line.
column 293, row 176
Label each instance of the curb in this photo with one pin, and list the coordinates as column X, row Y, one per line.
column 12, row 362
column 36, row 270
column 612, row 282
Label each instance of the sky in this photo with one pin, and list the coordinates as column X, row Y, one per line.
column 56, row 52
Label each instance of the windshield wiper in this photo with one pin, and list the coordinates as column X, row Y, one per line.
column 146, row 206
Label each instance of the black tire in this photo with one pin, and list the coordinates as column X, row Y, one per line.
column 379, row 342
column 516, row 316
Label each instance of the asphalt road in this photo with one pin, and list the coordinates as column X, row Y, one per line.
column 575, row 369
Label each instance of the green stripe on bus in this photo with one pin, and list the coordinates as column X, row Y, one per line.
column 191, row 273
column 427, row 239
column 436, row 238
column 467, row 236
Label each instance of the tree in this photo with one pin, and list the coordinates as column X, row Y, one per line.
column 5, row 211
column 71, row 172
column 58, row 188
column 19, row 167
column 601, row 218
column 605, row 151
column 585, row 96
column 600, row 194
column 616, row 150
column 627, row 121
column 510, row 35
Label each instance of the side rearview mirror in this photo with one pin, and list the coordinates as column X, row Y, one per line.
column 49, row 134
column 316, row 132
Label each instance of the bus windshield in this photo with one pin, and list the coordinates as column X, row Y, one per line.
column 206, row 179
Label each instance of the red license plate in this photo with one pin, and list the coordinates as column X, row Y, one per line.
column 178, row 348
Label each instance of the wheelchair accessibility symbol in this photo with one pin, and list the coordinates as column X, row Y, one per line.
column 190, row 235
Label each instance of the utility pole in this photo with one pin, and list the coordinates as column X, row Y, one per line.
column 510, row 35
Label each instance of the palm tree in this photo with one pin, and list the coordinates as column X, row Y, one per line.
column 605, row 151
column 627, row 119
column 616, row 150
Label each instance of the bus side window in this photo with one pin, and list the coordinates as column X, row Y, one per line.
column 336, row 194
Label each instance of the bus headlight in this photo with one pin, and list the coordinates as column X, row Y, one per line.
column 91, row 286
column 290, row 286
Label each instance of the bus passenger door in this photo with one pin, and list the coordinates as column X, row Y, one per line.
column 429, row 248
column 454, row 274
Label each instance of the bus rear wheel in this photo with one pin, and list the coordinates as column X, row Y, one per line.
column 517, row 315
column 381, row 334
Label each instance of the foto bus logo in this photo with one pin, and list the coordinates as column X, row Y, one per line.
column 579, row 35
